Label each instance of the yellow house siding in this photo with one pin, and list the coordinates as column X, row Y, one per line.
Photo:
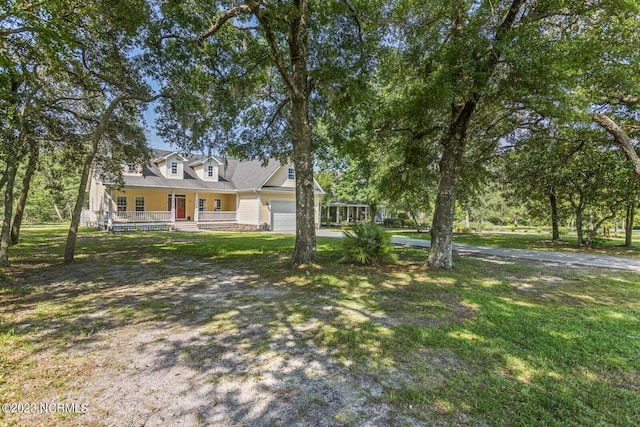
column 265, row 212
column 267, row 197
column 227, row 201
column 162, row 165
column 154, row 200
column 96, row 196
column 280, row 178
column 165, row 167
column 158, row 199
column 248, row 209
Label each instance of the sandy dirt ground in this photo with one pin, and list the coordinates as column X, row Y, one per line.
column 204, row 346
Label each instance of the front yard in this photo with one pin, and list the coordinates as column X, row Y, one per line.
column 218, row 329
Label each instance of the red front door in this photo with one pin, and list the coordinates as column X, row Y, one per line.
column 180, row 206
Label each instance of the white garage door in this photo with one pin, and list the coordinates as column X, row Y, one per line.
column 283, row 216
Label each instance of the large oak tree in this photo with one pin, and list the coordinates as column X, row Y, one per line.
column 252, row 77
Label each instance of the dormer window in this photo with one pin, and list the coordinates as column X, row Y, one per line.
column 210, row 171
column 131, row 168
column 291, row 174
column 174, row 168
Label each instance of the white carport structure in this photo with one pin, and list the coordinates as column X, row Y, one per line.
column 336, row 212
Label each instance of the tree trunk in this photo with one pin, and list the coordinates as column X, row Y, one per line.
column 5, row 238
column 3, row 178
column 70, row 248
column 415, row 220
column 594, row 227
column 305, row 248
column 298, row 81
column 466, row 216
column 628, row 228
column 579, row 226
column 24, row 192
column 440, row 255
column 55, row 207
column 462, row 107
column 555, row 230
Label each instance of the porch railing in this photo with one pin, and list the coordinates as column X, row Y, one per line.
column 141, row 216
column 212, row 216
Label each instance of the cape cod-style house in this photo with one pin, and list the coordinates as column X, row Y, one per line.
column 177, row 191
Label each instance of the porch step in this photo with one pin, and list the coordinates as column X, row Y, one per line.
column 188, row 226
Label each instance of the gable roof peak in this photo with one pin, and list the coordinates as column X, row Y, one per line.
column 205, row 159
column 166, row 155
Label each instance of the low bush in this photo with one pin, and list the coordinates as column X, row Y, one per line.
column 461, row 229
column 409, row 223
column 367, row 244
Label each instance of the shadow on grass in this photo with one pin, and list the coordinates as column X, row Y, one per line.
column 225, row 323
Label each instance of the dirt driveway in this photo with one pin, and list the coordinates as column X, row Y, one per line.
column 203, row 346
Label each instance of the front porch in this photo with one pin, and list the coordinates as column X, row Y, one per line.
column 200, row 210
column 164, row 220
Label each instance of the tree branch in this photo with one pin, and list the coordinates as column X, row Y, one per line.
column 279, row 108
column 4, row 32
column 241, row 9
column 97, row 74
column 355, row 17
column 273, row 45
column 620, row 138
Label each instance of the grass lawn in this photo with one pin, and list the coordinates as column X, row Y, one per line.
column 532, row 240
column 221, row 326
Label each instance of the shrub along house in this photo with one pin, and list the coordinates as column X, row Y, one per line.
column 193, row 191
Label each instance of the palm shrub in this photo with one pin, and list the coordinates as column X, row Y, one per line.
column 367, row 244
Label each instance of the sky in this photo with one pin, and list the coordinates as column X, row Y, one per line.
column 150, row 130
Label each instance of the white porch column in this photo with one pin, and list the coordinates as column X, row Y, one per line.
column 338, row 215
column 259, row 207
column 110, row 219
column 173, row 207
column 196, row 214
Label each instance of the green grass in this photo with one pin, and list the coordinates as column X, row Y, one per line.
column 489, row 343
column 539, row 241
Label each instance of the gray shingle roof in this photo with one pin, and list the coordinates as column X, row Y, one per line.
column 233, row 174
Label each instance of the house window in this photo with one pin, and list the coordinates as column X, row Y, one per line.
column 210, row 171
column 202, row 205
column 174, row 168
column 131, row 168
column 121, row 203
column 139, row 204
column 291, row 174
column 217, row 204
